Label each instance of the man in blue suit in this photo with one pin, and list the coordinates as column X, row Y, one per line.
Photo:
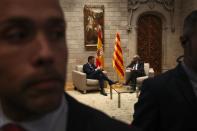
column 96, row 73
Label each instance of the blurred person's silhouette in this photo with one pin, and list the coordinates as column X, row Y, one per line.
column 136, row 68
column 33, row 59
column 169, row 102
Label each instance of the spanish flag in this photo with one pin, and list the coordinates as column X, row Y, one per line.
column 118, row 58
column 99, row 53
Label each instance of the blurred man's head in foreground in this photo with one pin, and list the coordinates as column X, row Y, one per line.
column 189, row 40
column 32, row 57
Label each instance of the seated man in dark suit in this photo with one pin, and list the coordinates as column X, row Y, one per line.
column 96, row 73
column 32, row 94
column 168, row 102
column 137, row 70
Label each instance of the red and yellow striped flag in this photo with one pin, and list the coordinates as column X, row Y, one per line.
column 118, row 58
column 99, row 53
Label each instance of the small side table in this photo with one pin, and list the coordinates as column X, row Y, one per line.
column 119, row 89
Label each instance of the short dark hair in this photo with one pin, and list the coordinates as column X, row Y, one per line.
column 90, row 57
column 190, row 24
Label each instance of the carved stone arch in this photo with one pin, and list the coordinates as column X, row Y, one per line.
column 163, row 14
column 156, row 13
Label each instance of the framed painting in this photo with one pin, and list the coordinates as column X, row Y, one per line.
column 93, row 22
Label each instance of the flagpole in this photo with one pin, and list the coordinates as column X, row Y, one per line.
column 118, row 59
column 117, row 77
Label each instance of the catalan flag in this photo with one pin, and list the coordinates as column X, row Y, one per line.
column 118, row 58
column 99, row 53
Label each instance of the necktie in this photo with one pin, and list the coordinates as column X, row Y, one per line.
column 12, row 127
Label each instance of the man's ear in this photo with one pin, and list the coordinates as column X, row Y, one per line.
column 184, row 41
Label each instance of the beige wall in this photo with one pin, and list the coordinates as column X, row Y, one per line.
column 116, row 19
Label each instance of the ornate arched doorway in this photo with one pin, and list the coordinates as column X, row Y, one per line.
column 149, row 40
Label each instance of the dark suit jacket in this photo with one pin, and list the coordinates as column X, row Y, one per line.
column 140, row 67
column 167, row 103
column 84, row 118
column 90, row 71
column 87, row 69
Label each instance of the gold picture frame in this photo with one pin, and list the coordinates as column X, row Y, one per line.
column 93, row 21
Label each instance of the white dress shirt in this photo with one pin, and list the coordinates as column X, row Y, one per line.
column 135, row 67
column 54, row 121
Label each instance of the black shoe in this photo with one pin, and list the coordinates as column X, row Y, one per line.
column 125, row 84
column 113, row 82
column 103, row 93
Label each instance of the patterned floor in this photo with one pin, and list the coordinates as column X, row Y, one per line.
column 110, row 107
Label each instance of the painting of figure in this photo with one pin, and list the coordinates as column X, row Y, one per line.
column 93, row 22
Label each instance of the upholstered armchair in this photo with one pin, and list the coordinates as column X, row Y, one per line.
column 83, row 84
column 149, row 72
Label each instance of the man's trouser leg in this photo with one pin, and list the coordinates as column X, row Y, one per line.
column 104, row 77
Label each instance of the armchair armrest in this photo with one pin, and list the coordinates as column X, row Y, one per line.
column 79, row 79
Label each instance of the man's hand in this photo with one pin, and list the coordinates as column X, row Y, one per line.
column 99, row 68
